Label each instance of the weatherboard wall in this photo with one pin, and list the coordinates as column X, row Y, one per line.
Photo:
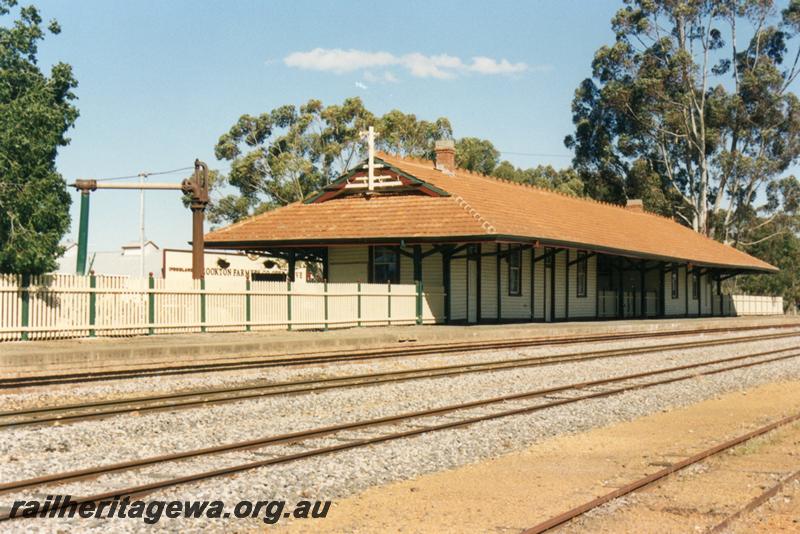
column 350, row 264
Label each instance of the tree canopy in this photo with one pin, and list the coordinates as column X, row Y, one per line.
column 36, row 111
column 545, row 176
column 690, row 109
column 283, row 155
column 478, row 155
column 781, row 251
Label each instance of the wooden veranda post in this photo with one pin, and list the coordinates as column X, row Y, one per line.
column 446, row 281
column 642, row 285
column 662, row 291
column 620, row 291
column 553, row 266
column 566, row 286
column 499, row 293
column 292, row 264
column 418, row 281
column 533, row 283
column 686, row 289
column 479, row 284
column 700, row 293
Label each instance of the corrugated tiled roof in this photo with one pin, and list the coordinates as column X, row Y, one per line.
column 482, row 207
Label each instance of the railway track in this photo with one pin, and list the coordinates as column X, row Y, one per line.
column 654, row 478
column 204, row 397
column 389, row 428
column 335, row 357
column 754, row 504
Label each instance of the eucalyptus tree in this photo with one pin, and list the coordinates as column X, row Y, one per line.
column 691, row 108
column 405, row 135
column 478, row 155
column 545, row 176
column 281, row 156
column 275, row 155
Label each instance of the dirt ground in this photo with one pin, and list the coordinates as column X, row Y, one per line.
column 519, row 490
column 780, row 514
column 702, row 496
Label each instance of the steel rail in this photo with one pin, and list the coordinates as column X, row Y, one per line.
column 296, row 437
column 557, row 358
column 318, row 358
column 655, row 477
column 752, row 505
column 189, row 399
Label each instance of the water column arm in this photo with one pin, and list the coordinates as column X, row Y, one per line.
column 85, row 187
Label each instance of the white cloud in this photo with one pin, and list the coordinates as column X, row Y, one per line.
column 439, row 66
column 361, row 85
column 386, row 77
column 487, row 65
column 338, row 60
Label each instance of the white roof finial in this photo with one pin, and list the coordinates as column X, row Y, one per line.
column 370, row 135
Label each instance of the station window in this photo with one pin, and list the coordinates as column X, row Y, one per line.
column 385, row 265
column 673, row 276
column 695, row 286
column 582, row 274
column 515, row 272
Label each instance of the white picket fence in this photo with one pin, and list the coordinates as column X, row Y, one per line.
column 756, row 305
column 732, row 305
column 63, row 306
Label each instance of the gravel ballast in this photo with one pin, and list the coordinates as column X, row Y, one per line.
column 28, row 452
column 17, row 399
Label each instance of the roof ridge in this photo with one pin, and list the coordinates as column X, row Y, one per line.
column 486, row 225
column 568, row 195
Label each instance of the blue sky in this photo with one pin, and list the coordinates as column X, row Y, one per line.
column 161, row 81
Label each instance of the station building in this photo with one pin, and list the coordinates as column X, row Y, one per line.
column 501, row 251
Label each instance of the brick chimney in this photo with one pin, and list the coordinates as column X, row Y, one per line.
column 445, row 154
column 634, row 204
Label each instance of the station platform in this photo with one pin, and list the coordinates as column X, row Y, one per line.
column 28, row 358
